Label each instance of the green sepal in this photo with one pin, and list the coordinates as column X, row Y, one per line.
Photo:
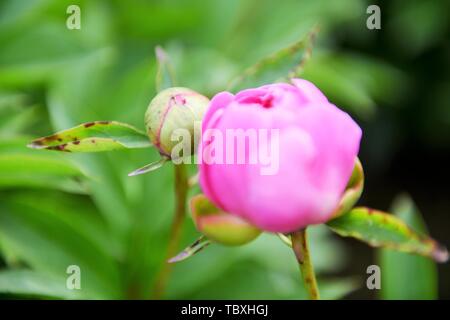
column 219, row 226
column 353, row 190
column 188, row 252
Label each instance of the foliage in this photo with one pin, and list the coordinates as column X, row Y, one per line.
column 400, row 271
column 58, row 210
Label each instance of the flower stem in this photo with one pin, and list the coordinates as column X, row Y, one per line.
column 301, row 250
column 181, row 190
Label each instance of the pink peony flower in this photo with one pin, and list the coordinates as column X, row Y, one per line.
column 317, row 145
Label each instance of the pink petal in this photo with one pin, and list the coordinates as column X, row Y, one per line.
column 309, row 91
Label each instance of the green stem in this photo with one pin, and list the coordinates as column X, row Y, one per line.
column 181, row 190
column 301, row 250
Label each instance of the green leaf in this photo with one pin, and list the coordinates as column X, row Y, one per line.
column 380, row 229
column 335, row 289
column 340, row 89
column 31, row 232
column 15, row 121
column 94, row 137
column 356, row 83
column 16, row 113
column 27, row 163
column 404, row 276
column 21, row 167
column 283, row 64
column 31, row 283
column 64, row 210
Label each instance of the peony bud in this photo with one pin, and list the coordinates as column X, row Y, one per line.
column 316, row 145
column 172, row 109
column 220, row 226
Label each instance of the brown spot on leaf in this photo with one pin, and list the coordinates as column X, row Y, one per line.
column 76, row 142
column 53, row 137
column 89, row 124
column 61, row 147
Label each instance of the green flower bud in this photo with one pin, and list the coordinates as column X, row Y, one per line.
column 219, row 226
column 172, row 109
column 352, row 192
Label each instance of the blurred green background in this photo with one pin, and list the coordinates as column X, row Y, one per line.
column 58, row 210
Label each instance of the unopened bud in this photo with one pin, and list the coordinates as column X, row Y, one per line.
column 170, row 110
column 219, row 226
